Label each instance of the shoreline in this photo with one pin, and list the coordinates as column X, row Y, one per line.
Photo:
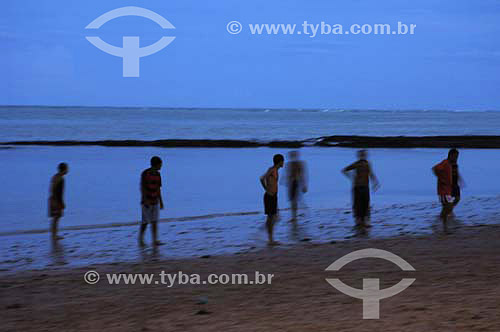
column 350, row 141
column 453, row 290
column 133, row 223
column 236, row 233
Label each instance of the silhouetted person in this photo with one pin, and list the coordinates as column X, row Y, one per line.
column 456, row 181
column 448, row 184
column 270, row 183
column 56, row 198
column 361, row 190
column 151, row 200
column 296, row 180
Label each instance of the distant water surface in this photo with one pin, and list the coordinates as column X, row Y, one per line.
column 80, row 123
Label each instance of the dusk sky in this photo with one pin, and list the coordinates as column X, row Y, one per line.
column 451, row 62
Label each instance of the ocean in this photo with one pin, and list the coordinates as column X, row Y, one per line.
column 80, row 123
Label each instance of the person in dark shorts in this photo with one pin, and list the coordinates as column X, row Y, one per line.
column 151, row 200
column 296, row 180
column 56, row 198
column 448, row 184
column 269, row 182
column 361, row 190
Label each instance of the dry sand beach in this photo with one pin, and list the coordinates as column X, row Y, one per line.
column 456, row 289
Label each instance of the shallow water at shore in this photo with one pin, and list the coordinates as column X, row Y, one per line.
column 231, row 235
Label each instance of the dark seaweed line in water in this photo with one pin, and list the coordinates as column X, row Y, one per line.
column 466, row 141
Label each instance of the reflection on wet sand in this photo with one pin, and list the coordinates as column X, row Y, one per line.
column 57, row 254
column 150, row 254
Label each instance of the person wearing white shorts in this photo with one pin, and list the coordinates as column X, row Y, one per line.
column 150, row 213
column 151, row 200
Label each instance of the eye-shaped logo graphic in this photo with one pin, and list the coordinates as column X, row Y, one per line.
column 371, row 294
column 130, row 52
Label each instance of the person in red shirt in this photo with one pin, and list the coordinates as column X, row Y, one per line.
column 151, row 200
column 447, row 184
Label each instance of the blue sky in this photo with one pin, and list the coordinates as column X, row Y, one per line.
column 451, row 62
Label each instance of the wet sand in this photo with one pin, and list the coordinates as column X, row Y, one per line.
column 456, row 289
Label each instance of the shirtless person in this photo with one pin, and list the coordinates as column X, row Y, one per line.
column 361, row 189
column 269, row 182
column 296, row 180
column 56, row 198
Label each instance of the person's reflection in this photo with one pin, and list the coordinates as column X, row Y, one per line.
column 439, row 228
column 298, row 231
column 360, row 231
column 57, row 252
column 150, row 255
column 294, row 230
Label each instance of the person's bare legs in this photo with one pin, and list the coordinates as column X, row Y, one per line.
column 455, row 203
column 154, row 232
column 445, row 212
column 270, row 228
column 294, row 209
column 141, row 233
column 54, row 227
column 367, row 221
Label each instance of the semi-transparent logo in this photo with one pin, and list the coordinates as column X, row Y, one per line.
column 371, row 294
column 130, row 51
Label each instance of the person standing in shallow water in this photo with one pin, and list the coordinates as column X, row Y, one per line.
column 269, row 182
column 361, row 190
column 448, row 184
column 56, row 199
column 296, row 180
column 151, row 200
column 456, row 182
